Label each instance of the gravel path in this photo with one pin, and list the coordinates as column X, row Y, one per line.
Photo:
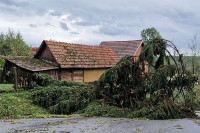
column 79, row 124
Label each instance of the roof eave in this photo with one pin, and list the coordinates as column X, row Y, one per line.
column 138, row 47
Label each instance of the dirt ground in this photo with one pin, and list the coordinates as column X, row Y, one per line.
column 78, row 124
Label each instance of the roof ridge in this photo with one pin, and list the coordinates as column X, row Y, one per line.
column 58, row 42
column 122, row 41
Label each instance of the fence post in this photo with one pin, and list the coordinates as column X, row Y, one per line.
column 15, row 76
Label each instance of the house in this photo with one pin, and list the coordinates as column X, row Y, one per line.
column 81, row 63
column 126, row 48
column 65, row 61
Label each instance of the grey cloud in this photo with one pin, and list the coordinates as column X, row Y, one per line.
column 38, row 11
column 176, row 13
column 76, row 33
column 113, row 30
column 168, row 30
column 86, row 23
column 64, row 26
column 55, row 13
column 20, row 8
column 124, row 18
column 179, row 16
column 47, row 24
column 14, row 3
column 33, row 25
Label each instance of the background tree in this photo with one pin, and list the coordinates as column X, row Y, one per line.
column 194, row 48
column 12, row 44
column 149, row 34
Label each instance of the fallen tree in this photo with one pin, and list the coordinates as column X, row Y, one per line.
column 164, row 92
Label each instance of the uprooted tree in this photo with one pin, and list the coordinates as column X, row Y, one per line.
column 165, row 91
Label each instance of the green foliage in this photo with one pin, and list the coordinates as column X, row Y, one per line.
column 17, row 105
column 164, row 109
column 43, row 80
column 61, row 97
column 154, row 53
column 150, row 94
column 149, row 34
column 6, row 88
column 12, row 44
column 99, row 109
column 161, row 79
column 197, row 98
column 126, row 83
column 1, row 65
column 194, row 57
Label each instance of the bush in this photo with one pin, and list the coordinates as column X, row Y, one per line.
column 1, row 67
column 63, row 99
column 162, row 110
column 99, row 109
column 1, row 64
column 43, row 80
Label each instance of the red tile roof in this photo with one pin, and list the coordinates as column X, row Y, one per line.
column 123, row 48
column 34, row 49
column 69, row 55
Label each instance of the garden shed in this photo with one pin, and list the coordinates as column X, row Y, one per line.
column 24, row 67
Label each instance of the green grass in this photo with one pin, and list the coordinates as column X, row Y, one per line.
column 17, row 104
column 6, row 88
column 197, row 99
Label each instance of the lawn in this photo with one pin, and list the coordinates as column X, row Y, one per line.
column 17, row 104
column 6, row 88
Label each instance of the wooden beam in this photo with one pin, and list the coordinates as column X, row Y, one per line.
column 16, row 81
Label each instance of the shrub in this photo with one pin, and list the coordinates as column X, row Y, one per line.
column 162, row 110
column 42, row 80
column 99, row 109
column 63, row 99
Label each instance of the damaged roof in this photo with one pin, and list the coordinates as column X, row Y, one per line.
column 29, row 63
column 69, row 55
column 123, row 48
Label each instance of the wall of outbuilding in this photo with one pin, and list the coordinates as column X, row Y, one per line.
column 91, row 75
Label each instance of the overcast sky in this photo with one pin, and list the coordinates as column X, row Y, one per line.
column 93, row 21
